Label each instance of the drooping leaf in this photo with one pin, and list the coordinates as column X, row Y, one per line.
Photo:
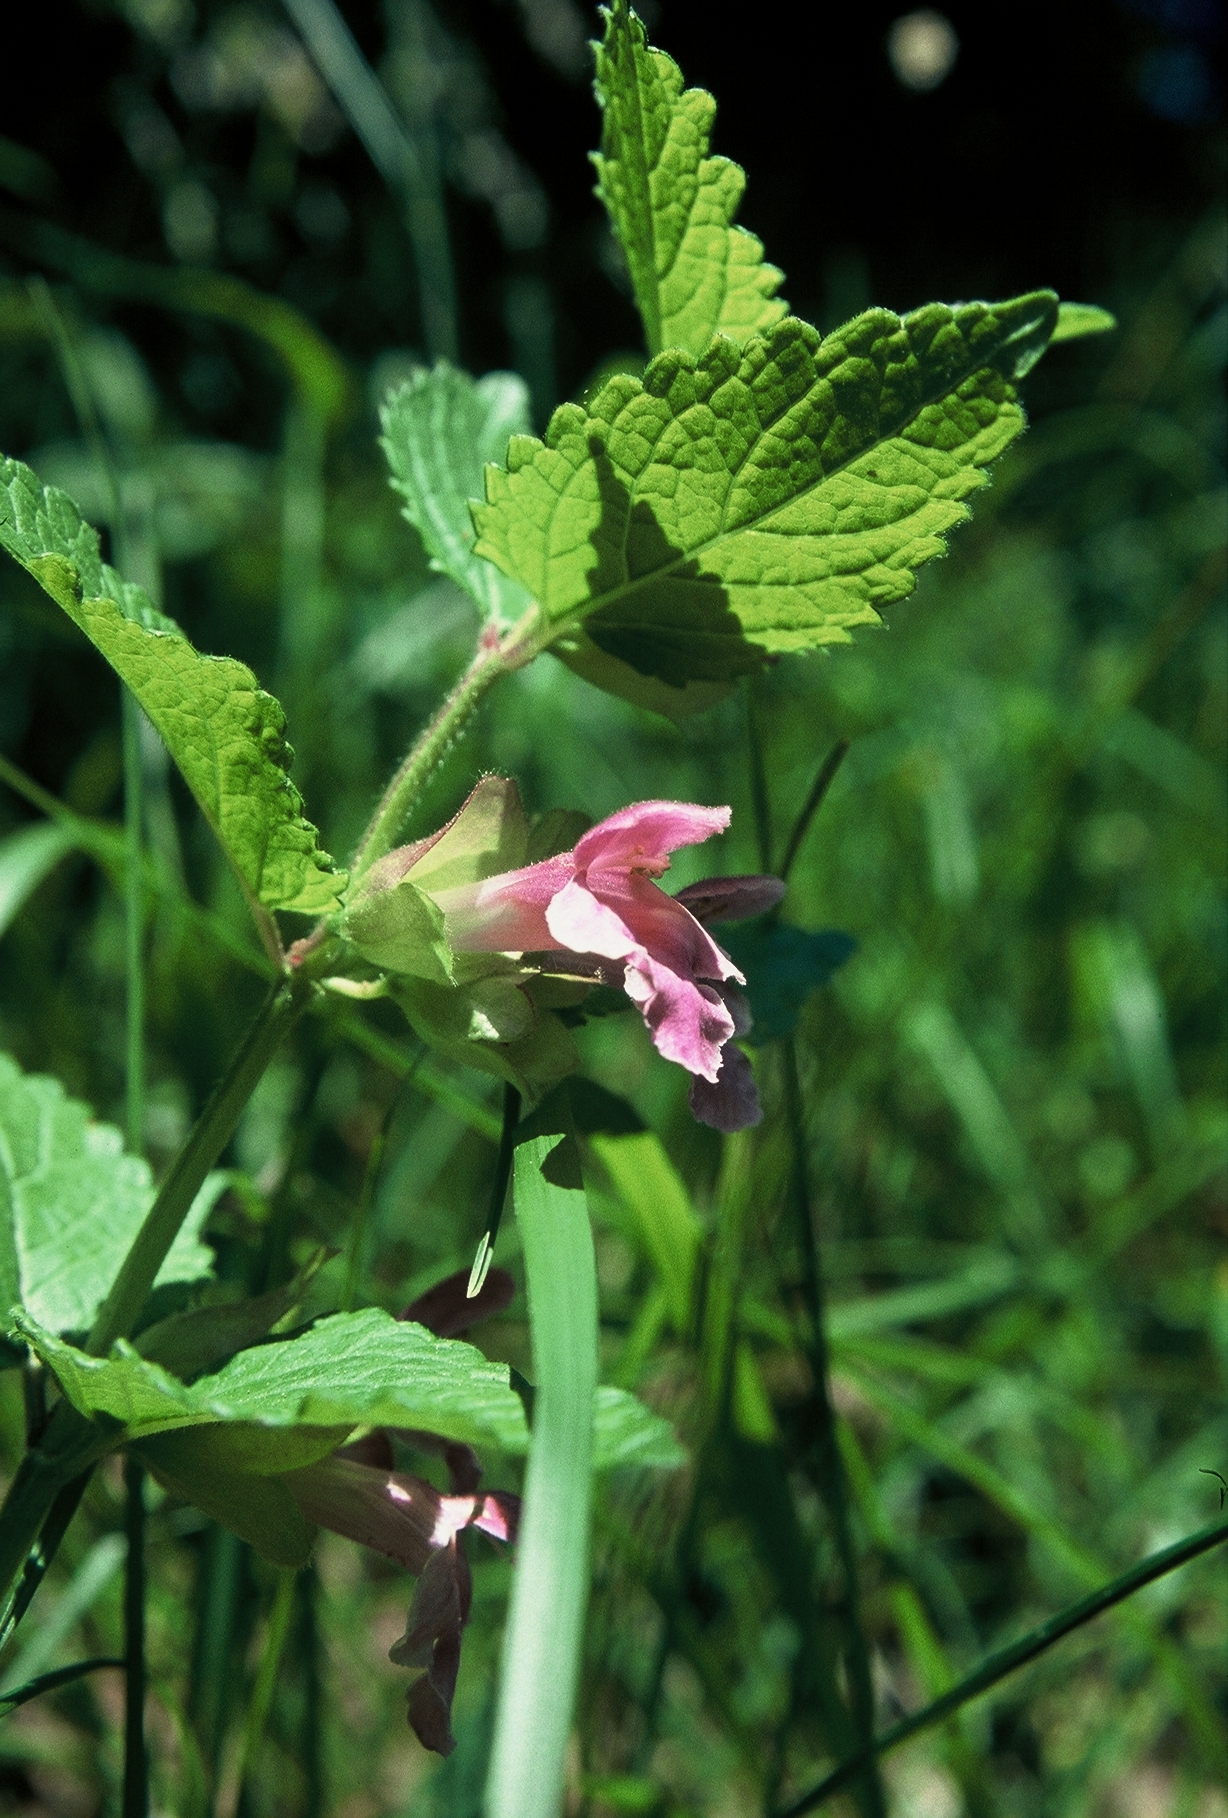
column 440, row 428
column 71, row 1202
column 672, row 205
column 224, row 732
column 763, row 499
column 350, row 1370
column 256, row 1506
column 783, row 965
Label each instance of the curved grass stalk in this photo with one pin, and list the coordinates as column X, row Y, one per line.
column 1010, row 1659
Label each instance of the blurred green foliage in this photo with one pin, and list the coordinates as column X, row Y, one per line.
column 1014, row 1092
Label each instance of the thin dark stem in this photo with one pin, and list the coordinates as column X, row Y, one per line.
column 810, row 807
column 312, row 1749
column 213, row 1130
column 1009, row 1660
column 209, row 1698
column 760, row 800
column 135, row 1802
column 53, row 1530
column 134, row 926
column 356, row 1242
column 829, row 1473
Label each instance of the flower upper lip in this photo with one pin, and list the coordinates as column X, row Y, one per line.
column 601, row 902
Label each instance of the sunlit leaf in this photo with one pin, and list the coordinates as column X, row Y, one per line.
column 1077, row 319
column 672, row 205
column 762, row 499
column 224, row 732
column 71, row 1202
column 353, row 1369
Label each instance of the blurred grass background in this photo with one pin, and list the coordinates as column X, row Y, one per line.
column 1014, row 1092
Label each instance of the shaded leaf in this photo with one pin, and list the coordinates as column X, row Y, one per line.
column 71, row 1202
column 783, row 964
column 671, row 204
column 253, row 1504
column 763, row 499
column 440, row 428
column 224, row 732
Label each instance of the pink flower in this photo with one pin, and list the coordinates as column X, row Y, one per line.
column 601, row 902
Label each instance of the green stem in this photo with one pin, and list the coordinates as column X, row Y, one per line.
column 135, row 1802
column 545, row 1626
column 428, row 751
column 810, row 807
column 130, row 1290
column 41, row 1500
column 760, row 799
column 266, row 1680
column 830, row 1479
column 356, row 1242
column 71, row 1444
column 1010, row 1659
column 134, row 927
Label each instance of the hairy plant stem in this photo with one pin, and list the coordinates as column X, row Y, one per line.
column 491, row 660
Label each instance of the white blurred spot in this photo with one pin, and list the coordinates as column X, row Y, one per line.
column 922, row 47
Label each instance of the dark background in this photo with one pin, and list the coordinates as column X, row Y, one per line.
column 1071, row 145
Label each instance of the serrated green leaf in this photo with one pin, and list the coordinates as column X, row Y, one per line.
column 350, row 1370
column 763, row 499
column 71, row 1202
column 1077, row 319
column 626, row 1434
column 224, row 732
column 672, row 206
column 440, row 428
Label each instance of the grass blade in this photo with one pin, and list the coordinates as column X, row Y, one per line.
column 541, row 1647
column 1010, row 1659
